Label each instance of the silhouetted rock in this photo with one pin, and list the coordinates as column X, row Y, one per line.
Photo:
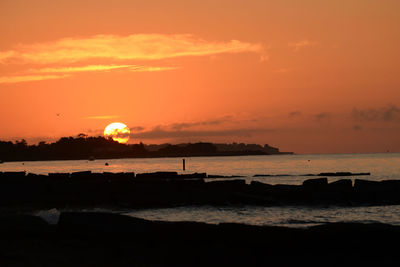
column 343, row 174
column 81, row 174
column 317, row 183
column 390, row 185
column 168, row 189
column 14, row 175
column 237, row 184
column 365, row 185
column 101, row 222
column 258, row 186
column 223, row 176
column 17, row 225
column 157, row 175
column 59, row 176
column 342, row 185
column 193, row 175
column 104, row 239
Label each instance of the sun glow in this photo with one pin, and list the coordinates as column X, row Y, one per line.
column 118, row 132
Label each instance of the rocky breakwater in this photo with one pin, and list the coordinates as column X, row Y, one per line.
column 103, row 239
column 168, row 189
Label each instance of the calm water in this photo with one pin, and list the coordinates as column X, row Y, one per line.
column 285, row 169
column 276, row 216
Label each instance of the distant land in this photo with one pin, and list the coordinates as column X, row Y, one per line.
column 85, row 147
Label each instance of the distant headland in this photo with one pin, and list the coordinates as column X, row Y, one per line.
column 85, row 147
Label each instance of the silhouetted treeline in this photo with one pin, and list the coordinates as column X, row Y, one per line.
column 84, row 147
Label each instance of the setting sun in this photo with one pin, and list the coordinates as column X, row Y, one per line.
column 118, row 132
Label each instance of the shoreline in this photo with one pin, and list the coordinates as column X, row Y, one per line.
column 104, row 239
column 152, row 157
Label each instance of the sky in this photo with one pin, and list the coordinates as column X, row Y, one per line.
column 305, row 76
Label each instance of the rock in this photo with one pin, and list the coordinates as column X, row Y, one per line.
column 223, row 176
column 125, row 177
column 82, row 174
column 237, row 184
column 12, row 175
column 59, row 176
column 315, row 183
column 260, row 186
column 193, row 175
column 102, row 222
column 344, row 185
column 365, row 185
column 343, row 174
column 157, row 175
column 21, row 224
column 215, row 176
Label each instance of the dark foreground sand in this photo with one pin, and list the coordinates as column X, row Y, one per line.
column 101, row 239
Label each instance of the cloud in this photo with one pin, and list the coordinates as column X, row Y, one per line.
column 37, row 74
column 29, row 78
column 65, row 54
column 80, row 68
column 322, row 117
column 160, row 133
column 357, row 127
column 151, row 69
column 390, row 113
column 137, row 128
column 302, row 44
column 114, row 47
column 295, row 114
column 185, row 125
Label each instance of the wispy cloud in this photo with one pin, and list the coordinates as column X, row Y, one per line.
column 322, row 117
column 390, row 113
column 40, row 74
column 187, row 125
column 302, row 44
column 131, row 47
column 294, row 114
column 160, row 133
column 29, row 78
column 80, row 68
column 151, row 69
column 218, row 127
column 137, row 128
column 68, row 55
column 89, row 68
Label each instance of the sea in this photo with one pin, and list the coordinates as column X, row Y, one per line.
column 271, row 169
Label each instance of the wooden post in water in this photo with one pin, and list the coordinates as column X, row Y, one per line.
column 183, row 164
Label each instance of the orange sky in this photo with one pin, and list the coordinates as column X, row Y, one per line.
column 306, row 76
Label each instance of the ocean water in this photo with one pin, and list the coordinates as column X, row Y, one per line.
column 288, row 216
column 282, row 169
